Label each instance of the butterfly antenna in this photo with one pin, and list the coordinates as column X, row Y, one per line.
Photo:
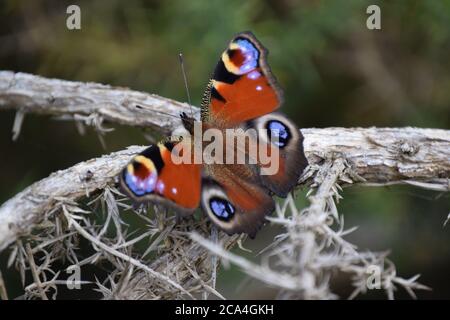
column 171, row 115
column 180, row 56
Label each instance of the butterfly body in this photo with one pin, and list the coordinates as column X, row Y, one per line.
column 233, row 183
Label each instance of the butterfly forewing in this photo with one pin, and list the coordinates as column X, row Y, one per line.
column 242, row 86
column 153, row 176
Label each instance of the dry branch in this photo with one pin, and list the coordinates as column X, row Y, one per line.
column 372, row 156
column 19, row 214
column 88, row 102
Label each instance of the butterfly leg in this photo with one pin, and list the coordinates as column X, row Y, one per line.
column 170, row 140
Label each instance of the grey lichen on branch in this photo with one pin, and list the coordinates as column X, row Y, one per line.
column 368, row 156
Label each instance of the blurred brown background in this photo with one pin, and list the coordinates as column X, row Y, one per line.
column 335, row 72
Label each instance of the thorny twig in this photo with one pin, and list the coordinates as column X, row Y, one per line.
column 35, row 273
column 302, row 261
column 72, row 222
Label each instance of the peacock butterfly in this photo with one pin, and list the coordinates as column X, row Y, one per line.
column 241, row 96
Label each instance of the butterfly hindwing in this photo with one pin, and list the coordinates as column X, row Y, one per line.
column 286, row 141
column 234, row 204
column 242, row 85
column 153, row 176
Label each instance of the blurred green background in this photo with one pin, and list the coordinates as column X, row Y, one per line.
column 335, row 72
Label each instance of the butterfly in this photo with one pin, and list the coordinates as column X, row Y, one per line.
column 241, row 95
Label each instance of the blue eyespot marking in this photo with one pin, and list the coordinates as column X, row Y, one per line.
column 250, row 53
column 223, row 209
column 141, row 187
column 278, row 132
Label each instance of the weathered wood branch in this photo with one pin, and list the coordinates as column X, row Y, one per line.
column 375, row 155
column 33, row 94
column 384, row 156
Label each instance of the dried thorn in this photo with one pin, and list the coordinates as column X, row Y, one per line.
column 34, row 272
column 17, row 126
column 3, row 292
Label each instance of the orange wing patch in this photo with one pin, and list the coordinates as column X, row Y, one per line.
column 243, row 87
column 180, row 183
column 153, row 176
